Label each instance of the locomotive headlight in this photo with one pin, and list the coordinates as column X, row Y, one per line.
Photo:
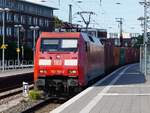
column 71, row 62
column 43, row 71
column 44, row 62
column 72, row 71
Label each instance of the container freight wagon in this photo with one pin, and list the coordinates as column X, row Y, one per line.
column 119, row 56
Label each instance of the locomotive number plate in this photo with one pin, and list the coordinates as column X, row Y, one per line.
column 57, row 62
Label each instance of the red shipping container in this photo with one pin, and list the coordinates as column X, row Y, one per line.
column 109, row 59
column 116, row 54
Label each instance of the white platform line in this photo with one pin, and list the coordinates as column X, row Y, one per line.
column 130, row 86
column 133, row 73
column 124, row 94
column 97, row 98
column 72, row 100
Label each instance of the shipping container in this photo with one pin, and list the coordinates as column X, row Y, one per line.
column 128, row 55
column 109, row 58
column 133, row 55
column 122, row 56
column 116, row 54
column 136, row 54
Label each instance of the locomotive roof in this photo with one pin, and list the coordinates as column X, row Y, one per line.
column 60, row 34
column 85, row 36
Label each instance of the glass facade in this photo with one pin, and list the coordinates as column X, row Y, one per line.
column 27, row 7
column 26, row 14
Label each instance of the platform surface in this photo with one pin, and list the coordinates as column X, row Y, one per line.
column 8, row 73
column 126, row 90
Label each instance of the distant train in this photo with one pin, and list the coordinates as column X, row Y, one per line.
column 68, row 61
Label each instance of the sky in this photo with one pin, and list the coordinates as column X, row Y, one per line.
column 104, row 13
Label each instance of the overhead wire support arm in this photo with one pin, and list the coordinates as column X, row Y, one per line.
column 83, row 18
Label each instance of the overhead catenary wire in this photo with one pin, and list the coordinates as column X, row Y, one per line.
column 91, row 19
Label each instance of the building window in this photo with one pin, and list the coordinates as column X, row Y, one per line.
column 16, row 18
column 41, row 22
column 22, row 7
column 22, row 19
column 35, row 21
column 29, row 34
column 1, row 30
column 1, row 17
column 29, row 20
column 8, row 3
column 9, row 17
column 47, row 22
column 8, row 31
column 15, row 32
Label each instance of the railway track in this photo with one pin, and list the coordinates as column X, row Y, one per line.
column 15, row 81
column 45, row 106
column 7, row 98
column 24, row 105
column 29, row 106
column 12, row 92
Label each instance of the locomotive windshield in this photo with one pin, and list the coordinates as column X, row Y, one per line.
column 59, row 45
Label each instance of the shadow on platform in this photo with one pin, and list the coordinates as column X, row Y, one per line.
column 130, row 77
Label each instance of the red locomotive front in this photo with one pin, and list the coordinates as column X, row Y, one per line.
column 56, row 61
column 65, row 62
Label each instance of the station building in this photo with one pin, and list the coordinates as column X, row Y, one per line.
column 26, row 14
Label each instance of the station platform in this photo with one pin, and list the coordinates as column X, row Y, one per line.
column 126, row 90
column 12, row 72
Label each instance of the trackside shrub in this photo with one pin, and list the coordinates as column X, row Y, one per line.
column 34, row 94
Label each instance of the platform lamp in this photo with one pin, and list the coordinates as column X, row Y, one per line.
column 18, row 42
column 3, row 10
column 34, row 29
column 22, row 46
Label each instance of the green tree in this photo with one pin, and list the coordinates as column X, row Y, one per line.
column 11, row 53
column 139, row 41
column 28, row 53
column 57, row 22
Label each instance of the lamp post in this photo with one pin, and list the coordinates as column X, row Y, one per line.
column 34, row 29
column 145, row 35
column 18, row 44
column 22, row 46
column 3, row 10
column 146, row 4
column 120, row 21
column 141, row 19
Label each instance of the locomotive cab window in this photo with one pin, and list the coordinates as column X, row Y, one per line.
column 91, row 39
column 69, row 44
column 59, row 44
column 49, row 45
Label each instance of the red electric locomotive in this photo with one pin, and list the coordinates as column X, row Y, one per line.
column 67, row 61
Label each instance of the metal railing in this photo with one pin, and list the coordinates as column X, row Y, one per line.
column 14, row 64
